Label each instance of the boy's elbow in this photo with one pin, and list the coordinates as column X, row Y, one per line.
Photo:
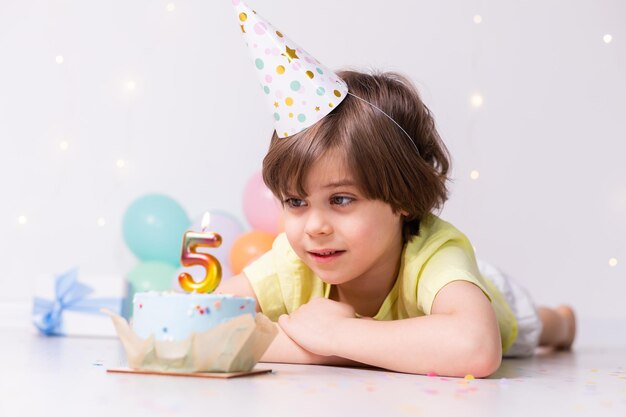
column 485, row 357
column 486, row 365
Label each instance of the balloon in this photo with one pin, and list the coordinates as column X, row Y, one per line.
column 249, row 247
column 150, row 276
column 153, row 228
column 263, row 211
column 228, row 227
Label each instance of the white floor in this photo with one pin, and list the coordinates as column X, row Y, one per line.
column 67, row 376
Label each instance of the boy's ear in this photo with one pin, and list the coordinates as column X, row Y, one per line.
column 404, row 213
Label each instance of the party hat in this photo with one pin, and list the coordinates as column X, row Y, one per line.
column 300, row 90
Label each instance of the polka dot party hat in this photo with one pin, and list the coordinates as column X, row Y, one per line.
column 299, row 89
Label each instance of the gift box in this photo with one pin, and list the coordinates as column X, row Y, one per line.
column 66, row 305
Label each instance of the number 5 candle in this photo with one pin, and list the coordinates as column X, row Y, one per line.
column 190, row 256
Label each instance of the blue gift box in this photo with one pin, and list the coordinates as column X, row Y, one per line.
column 65, row 305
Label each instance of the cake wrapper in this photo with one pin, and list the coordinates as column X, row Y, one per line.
column 234, row 346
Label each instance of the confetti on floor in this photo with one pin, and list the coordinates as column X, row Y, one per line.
column 589, row 381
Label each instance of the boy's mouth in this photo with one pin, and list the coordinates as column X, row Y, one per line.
column 322, row 255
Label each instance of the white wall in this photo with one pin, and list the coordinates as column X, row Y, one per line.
column 549, row 140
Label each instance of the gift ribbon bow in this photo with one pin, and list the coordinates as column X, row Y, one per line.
column 70, row 295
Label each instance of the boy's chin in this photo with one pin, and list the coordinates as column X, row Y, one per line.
column 330, row 275
column 331, row 278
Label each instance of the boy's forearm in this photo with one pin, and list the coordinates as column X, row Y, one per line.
column 285, row 350
column 437, row 343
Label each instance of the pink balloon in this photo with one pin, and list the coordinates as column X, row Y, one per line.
column 263, row 211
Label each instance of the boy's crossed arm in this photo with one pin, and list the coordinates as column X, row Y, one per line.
column 460, row 337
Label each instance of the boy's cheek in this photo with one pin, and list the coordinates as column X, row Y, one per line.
column 293, row 233
column 292, row 228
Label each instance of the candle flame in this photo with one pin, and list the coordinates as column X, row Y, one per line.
column 206, row 220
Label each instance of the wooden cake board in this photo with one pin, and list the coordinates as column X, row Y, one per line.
column 220, row 375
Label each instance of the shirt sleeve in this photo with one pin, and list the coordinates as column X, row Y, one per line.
column 453, row 261
column 264, row 279
column 281, row 281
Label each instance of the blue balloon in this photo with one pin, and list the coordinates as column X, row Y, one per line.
column 153, row 228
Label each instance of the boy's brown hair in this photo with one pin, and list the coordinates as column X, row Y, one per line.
column 384, row 162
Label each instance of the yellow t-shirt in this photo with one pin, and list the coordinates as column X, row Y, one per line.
column 438, row 255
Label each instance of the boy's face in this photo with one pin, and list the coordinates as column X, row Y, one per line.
column 342, row 236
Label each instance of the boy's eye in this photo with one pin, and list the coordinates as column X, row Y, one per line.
column 294, row 202
column 341, row 200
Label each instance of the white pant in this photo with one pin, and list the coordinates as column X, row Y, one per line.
column 528, row 322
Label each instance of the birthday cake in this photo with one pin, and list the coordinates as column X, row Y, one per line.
column 173, row 316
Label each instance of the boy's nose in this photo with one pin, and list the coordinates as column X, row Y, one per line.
column 317, row 224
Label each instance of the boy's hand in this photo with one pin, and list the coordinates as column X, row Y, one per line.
column 314, row 325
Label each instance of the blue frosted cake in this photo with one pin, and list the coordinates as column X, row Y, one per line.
column 175, row 316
